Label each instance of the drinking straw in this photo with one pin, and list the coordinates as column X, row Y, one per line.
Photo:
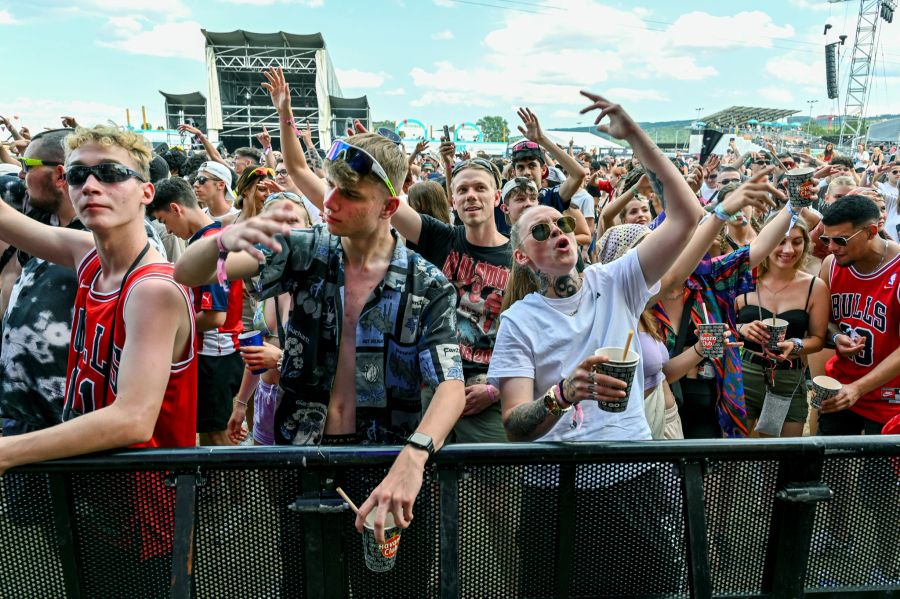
column 627, row 345
column 705, row 314
column 348, row 500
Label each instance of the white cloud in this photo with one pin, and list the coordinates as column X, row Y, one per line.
column 445, row 3
column 306, row 3
column 181, row 39
column 446, row 34
column 395, row 92
column 37, row 113
column 356, row 79
column 451, row 98
column 6, row 18
column 621, row 94
column 702, row 30
column 776, row 94
column 565, row 114
column 811, row 76
column 818, row 5
column 546, row 58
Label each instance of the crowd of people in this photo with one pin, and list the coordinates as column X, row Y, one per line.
column 433, row 298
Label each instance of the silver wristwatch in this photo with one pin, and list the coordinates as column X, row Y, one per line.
column 798, row 346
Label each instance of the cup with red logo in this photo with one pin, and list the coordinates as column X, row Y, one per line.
column 801, row 188
column 380, row 557
column 712, row 339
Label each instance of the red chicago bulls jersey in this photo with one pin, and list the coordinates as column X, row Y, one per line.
column 89, row 351
column 868, row 306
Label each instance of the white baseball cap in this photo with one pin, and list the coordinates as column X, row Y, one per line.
column 217, row 170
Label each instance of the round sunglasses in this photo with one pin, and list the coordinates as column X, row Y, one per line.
column 541, row 231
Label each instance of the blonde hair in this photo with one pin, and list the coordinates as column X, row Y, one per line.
column 522, row 280
column 807, row 246
column 109, row 135
column 842, row 181
column 389, row 155
column 272, row 204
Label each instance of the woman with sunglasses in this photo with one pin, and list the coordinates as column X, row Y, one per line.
column 543, row 356
column 783, row 291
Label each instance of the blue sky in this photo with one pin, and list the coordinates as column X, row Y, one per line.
column 445, row 61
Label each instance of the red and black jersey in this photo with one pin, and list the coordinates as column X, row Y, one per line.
column 868, row 305
column 89, row 351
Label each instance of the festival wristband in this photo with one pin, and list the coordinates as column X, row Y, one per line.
column 834, row 338
column 490, row 392
column 221, row 276
column 293, row 125
column 721, row 214
column 560, row 396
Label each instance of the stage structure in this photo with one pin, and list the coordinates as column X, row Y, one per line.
column 865, row 48
column 236, row 105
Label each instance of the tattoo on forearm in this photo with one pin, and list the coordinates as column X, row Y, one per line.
column 523, row 420
column 657, row 186
column 565, row 286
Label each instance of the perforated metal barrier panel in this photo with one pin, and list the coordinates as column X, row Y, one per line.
column 538, row 521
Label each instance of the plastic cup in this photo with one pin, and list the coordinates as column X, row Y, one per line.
column 824, row 387
column 801, row 189
column 252, row 339
column 380, row 557
column 712, row 339
column 776, row 333
column 618, row 369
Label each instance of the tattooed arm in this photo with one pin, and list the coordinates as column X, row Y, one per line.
column 523, row 418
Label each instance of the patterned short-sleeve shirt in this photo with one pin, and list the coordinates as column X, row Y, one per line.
column 405, row 338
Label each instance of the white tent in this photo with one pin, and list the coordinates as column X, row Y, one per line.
column 582, row 139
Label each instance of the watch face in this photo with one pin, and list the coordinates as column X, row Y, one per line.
column 421, row 440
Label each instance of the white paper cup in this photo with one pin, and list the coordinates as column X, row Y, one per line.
column 619, row 369
column 824, row 387
column 777, row 331
column 380, row 557
column 712, row 339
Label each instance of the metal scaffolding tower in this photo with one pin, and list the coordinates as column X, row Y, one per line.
column 861, row 66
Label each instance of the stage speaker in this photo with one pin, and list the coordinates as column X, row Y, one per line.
column 831, row 68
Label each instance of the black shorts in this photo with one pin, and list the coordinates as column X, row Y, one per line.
column 218, row 381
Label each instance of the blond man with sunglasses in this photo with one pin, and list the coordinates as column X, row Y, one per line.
column 372, row 322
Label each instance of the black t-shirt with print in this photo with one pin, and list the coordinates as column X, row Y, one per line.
column 479, row 275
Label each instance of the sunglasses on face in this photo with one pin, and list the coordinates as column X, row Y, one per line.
column 761, row 162
column 202, row 179
column 360, row 162
column 839, row 241
column 107, row 172
column 541, row 231
column 895, row 172
column 727, row 181
column 30, row 163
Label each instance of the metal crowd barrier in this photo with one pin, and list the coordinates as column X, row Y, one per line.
column 749, row 518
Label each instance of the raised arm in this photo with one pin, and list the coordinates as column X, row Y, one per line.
column 311, row 185
column 408, row 222
column 197, row 266
column 754, row 192
column 575, row 173
column 59, row 245
column 667, row 241
column 211, row 150
column 265, row 140
column 769, row 237
column 615, row 205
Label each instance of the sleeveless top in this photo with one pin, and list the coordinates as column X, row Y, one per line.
column 89, row 350
column 654, row 356
column 869, row 305
column 797, row 319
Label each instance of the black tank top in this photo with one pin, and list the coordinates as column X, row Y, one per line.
column 798, row 320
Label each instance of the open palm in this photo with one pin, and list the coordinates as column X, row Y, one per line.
column 278, row 89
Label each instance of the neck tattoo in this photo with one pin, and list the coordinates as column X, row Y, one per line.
column 565, row 285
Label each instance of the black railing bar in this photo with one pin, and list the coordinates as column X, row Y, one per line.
column 270, row 457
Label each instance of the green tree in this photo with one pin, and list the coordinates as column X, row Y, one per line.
column 386, row 124
column 495, row 128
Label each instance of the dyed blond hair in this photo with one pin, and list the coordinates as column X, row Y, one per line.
column 108, row 136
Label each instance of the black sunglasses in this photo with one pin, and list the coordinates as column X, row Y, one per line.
column 107, row 172
column 761, row 162
column 839, row 241
column 541, row 231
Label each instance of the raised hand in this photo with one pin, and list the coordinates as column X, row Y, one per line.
column 69, row 122
column 306, row 134
column 421, row 146
column 756, row 192
column 259, row 229
column 448, row 151
column 190, row 129
column 621, row 125
column 264, row 138
column 532, row 129
column 279, row 90
column 712, row 163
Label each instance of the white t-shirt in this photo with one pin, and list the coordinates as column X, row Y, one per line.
column 892, row 217
column 860, row 159
column 232, row 211
column 539, row 339
column 584, row 202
